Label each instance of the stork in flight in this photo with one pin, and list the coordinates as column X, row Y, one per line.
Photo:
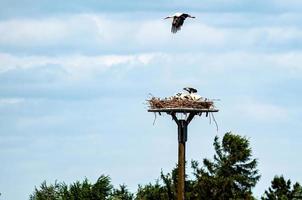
column 178, row 21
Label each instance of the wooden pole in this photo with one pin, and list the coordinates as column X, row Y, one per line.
column 182, row 138
column 181, row 172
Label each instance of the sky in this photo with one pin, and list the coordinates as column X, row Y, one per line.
column 75, row 76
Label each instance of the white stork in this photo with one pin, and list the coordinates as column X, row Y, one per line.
column 190, row 90
column 193, row 93
column 182, row 96
column 178, row 21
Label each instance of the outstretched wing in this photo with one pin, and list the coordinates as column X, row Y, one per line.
column 190, row 90
column 177, row 23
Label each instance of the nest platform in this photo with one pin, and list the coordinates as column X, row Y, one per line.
column 176, row 105
column 196, row 111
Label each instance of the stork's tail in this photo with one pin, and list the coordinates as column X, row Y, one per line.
column 174, row 29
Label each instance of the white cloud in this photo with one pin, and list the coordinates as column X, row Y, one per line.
column 98, row 32
column 75, row 66
column 32, row 31
column 10, row 101
column 67, row 30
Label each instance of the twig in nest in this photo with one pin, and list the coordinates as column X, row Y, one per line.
column 215, row 121
column 154, row 118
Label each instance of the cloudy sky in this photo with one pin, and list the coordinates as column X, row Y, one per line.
column 74, row 76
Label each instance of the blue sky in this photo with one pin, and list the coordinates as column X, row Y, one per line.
column 74, row 77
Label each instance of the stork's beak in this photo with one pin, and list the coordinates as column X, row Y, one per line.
column 166, row 17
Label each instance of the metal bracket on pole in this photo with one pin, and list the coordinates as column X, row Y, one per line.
column 183, row 126
column 182, row 131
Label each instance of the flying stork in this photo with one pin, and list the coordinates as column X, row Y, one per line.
column 178, row 21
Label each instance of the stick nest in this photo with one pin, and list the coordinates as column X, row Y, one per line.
column 174, row 102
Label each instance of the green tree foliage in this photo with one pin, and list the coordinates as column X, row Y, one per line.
column 101, row 190
column 165, row 191
column 50, row 192
column 121, row 194
column 281, row 189
column 170, row 181
column 151, row 192
column 231, row 175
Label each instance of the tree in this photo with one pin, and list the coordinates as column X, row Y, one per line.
column 80, row 191
column 297, row 191
column 101, row 190
column 170, row 181
column 121, row 193
column 280, row 189
column 165, row 191
column 231, row 175
column 47, row 192
column 151, row 192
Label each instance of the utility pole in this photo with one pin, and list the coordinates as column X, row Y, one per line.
column 182, row 125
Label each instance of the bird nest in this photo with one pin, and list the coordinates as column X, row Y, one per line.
column 175, row 102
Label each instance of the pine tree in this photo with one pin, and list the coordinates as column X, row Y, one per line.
column 231, row 175
column 121, row 193
column 280, row 189
column 151, row 192
column 85, row 190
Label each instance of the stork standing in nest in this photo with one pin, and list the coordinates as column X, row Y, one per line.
column 193, row 94
column 178, row 21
